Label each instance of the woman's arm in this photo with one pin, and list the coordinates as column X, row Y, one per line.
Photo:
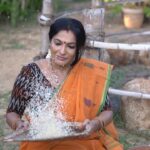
column 99, row 122
column 102, row 120
column 15, row 122
column 19, row 99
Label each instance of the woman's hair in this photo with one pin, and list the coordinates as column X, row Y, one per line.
column 76, row 27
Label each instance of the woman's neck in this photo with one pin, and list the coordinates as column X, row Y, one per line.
column 58, row 68
column 57, row 74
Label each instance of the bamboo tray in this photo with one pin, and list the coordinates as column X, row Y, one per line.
column 24, row 135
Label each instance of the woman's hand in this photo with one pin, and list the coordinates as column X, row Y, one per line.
column 91, row 126
column 22, row 125
column 88, row 126
column 15, row 122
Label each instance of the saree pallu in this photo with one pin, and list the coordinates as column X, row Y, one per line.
column 84, row 93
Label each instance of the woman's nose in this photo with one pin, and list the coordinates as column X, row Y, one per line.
column 63, row 49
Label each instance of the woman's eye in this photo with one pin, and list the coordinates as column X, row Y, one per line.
column 71, row 47
column 57, row 43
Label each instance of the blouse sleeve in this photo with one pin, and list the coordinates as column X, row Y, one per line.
column 21, row 92
column 107, row 105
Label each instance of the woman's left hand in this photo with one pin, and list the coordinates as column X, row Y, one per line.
column 91, row 126
column 88, row 126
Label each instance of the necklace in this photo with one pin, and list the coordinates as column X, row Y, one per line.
column 56, row 77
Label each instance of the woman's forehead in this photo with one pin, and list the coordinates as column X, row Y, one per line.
column 66, row 36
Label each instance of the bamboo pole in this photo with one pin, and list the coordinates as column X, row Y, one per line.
column 122, row 2
column 112, row 3
column 127, row 33
column 118, row 46
column 129, row 93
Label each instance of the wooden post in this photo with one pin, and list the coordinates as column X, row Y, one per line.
column 45, row 21
column 23, row 4
column 97, row 25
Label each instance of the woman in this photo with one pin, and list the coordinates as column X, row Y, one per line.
column 84, row 84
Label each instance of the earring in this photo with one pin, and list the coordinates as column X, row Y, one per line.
column 49, row 54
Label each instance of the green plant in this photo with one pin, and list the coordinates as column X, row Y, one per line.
column 5, row 10
column 116, row 9
column 78, row 1
column 15, row 11
column 5, row 7
column 117, row 78
column 58, row 5
column 147, row 11
column 123, row 140
column 118, row 120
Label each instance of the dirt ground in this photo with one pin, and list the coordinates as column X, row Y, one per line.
column 17, row 47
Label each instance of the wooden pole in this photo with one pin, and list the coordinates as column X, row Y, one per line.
column 97, row 22
column 23, row 4
column 45, row 20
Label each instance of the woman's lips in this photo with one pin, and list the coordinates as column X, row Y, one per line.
column 61, row 58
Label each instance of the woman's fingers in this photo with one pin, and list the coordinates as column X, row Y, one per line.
column 22, row 125
column 77, row 127
column 91, row 126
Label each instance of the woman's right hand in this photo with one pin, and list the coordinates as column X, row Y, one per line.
column 22, row 125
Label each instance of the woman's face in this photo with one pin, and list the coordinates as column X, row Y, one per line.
column 63, row 48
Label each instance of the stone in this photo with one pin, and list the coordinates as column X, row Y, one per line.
column 120, row 57
column 141, row 148
column 136, row 111
column 144, row 58
column 101, row 55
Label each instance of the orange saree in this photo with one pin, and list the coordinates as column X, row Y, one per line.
column 84, row 93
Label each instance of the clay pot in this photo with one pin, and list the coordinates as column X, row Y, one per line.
column 133, row 17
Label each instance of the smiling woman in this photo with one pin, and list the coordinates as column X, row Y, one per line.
column 68, row 89
column 63, row 48
column 76, row 34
